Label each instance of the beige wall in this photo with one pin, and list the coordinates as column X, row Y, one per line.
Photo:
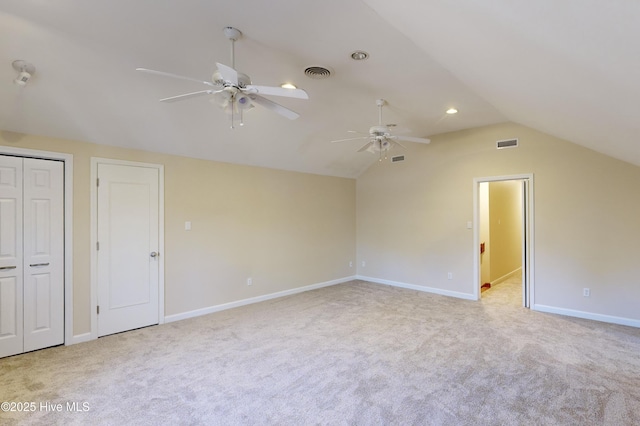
column 287, row 229
column 412, row 215
column 283, row 229
column 505, row 216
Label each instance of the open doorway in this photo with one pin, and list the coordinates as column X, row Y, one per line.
column 503, row 218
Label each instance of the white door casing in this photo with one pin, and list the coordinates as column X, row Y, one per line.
column 31, row 254
column 525, row 244
column 528, row 259
column 11, row 283
column 128, row 247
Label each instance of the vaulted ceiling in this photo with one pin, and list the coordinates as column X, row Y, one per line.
column 566, row 68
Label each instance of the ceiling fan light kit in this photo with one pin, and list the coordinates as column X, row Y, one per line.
column 233, row 91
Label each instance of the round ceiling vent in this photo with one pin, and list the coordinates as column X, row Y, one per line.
column 317, row 72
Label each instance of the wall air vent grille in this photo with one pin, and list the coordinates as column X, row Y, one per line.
column 509, row 143
column 397, row 158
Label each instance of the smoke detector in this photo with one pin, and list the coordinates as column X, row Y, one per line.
column 25, row 70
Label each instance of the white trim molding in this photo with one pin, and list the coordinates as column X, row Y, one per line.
column 69, row 338
column 257, row 299
column 506, row 276
column 442, row 292
column 587, row 315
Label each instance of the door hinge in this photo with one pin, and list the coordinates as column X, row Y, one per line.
column 98, row 309
column 97, row 181
column 97, row 245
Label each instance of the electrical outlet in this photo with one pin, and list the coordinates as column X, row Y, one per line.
column 586, row 292
column 364, row 263
column 249, row 281
column 350, row 264
column 450, row 275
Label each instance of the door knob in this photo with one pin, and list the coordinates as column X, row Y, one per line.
column 154, row 254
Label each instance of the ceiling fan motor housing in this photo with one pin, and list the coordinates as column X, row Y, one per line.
column 243, row 79
column 379, row 131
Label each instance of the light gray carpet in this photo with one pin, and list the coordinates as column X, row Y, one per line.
column 351, row 354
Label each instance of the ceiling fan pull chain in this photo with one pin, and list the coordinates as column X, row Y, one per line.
column 232, row 106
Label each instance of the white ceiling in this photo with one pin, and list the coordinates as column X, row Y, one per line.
column 566, row 68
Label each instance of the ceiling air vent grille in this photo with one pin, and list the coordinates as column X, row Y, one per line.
column 317, row 72
column 509, row 143
column 397, row 158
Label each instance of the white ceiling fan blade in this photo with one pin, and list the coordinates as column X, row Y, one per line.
column 351, row 139
column 188, row 95
column 395, row 141
column 228, row 74
column 366, row 147
column 413, row 139
column 181, row 77
column 277, row 91
column 291, row 115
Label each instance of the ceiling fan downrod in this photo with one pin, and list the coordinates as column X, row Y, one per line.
column 233, row 34
column 380, row 103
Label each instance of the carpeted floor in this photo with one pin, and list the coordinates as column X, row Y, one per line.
column 350, row 354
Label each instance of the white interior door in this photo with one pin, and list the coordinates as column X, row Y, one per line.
column 31, row 254
column 128, row 241
column 43, row 253
column 11, row 306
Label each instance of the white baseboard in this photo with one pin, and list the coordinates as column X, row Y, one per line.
column 507, row 276
column 587, row 315
column 440, row 291
column 257, row 299
column 79, row 338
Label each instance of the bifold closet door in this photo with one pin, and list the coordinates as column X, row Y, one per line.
column 11, row 320
column 31, row 254
column 43, row 253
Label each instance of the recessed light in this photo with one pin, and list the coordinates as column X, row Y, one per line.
column 288, row 86
column 452, row 111
column 359, row 55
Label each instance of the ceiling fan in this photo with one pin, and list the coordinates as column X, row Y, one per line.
column 380, row 138
column 233, row 90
